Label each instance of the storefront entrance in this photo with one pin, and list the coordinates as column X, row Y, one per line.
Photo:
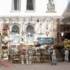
column 67, row 35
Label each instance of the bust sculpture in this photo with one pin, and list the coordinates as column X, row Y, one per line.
column 51, row 6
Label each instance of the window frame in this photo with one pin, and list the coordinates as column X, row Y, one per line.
column 33, row 6
column 18, row 5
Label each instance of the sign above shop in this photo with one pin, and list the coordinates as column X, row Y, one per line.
column 45, row 40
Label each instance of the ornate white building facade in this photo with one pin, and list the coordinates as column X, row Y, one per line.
column 29, row 21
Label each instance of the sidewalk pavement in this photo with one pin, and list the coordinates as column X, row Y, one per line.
column 47, row 66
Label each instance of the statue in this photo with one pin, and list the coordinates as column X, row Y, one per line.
column 51, row 6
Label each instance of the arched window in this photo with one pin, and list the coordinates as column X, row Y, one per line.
column 30, row 29
column 30, row 33
column 15, row 29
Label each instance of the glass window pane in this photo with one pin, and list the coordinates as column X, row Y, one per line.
column 15, row 29
column 30, row 5
column 16, row 4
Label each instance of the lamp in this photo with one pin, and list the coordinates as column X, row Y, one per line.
column 62, row 34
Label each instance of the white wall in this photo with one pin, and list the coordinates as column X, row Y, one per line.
column 40, row 8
